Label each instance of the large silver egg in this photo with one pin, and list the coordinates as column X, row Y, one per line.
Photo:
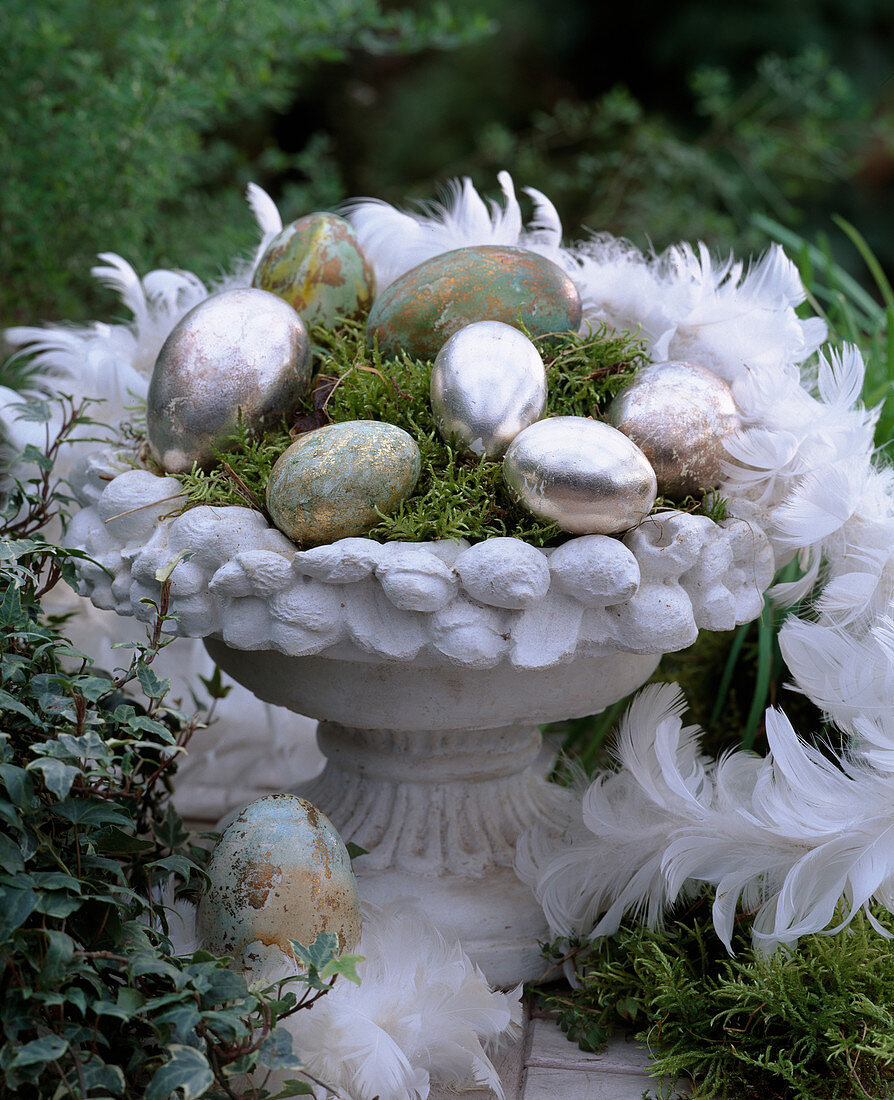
column 487, row 384
column 581, row 474
column 679, row 414
column 238, row 350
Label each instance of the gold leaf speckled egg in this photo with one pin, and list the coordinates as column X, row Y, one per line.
column 332, row 483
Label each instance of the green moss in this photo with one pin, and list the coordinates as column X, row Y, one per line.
column 811, row 1024
column 457, row 495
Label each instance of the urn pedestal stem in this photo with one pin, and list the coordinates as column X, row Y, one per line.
column 439, row 813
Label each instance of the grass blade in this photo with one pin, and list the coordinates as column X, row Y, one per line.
column 728, row 669
column 875, row 268
column 765, row 635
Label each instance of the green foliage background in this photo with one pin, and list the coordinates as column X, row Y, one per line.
column 133, row 126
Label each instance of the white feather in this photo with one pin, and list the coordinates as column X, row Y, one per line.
column 609, row 861
column 422, row 1013
column 264, row 209
column 396, row 241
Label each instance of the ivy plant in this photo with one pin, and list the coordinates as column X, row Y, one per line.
column 94, row 999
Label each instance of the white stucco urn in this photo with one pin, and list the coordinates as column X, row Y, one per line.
column 429, row 667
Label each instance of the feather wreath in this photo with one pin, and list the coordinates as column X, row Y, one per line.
column 788, row 836
column 791, row 835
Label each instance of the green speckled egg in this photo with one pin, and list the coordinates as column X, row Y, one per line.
column 280, row 871
column 422, row 309
column 330, row 482
column 317, row 266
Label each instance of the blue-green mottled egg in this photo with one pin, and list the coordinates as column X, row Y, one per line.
column 316, row 264
column 333, row 482
column 420, row 311
column 279, row 872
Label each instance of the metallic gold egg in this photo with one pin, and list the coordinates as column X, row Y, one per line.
column 488, row 382
column 334, row 482
column 317, row 265
column 241, row 351
column 581, row 474
column 679, row 414
column 279, row 872
column 420, row 311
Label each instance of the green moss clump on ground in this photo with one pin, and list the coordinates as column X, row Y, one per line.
column 457, row 495
column 816, row 1023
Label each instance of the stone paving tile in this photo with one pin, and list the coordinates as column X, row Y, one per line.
column 551, row 1049
column 544, row 1065
column 570, row 1084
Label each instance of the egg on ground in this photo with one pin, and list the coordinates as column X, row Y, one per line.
column 317, row 265
column 279, row 872
column 679, row 415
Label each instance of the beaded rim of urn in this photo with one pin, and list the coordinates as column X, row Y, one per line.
column 437, row 603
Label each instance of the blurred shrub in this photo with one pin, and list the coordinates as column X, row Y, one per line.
column 793, row 133
column 128, row 125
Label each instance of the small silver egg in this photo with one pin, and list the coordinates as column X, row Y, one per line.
column 242, row 349
column 581, row 474
column 487, row 384
column 679, row 414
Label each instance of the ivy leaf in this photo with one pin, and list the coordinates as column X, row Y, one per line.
column 354, row 850
column 45, row 1049
column 152, row 685
column 177, row 865
column 187, row 1069
column 324, row 948
column 10, row 703
column 18, row 783
column 90, row 746
column 223, row 985
column 291, row 1087
column 165, row 572
column 130, row 999
column 60, row 949
column 10, row 855
column 56, row 903
column 92, row 687
column 35, row 410
column 183, row 1017
column 345, row 965
column 169, row 832
column 118, row 842
column 10, row 606
column 16, row 906
column 81, row 812
column 148, row 962
column 214, row 685
column 57, row 776
column 97, row 1074
column 276, row 1051
column 150, row 725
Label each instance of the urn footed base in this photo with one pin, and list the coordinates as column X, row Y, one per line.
column 442, row 778
column 440, row 819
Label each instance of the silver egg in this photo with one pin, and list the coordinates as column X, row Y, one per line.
column 581, row 474
column 238, row 350
column 487, row 384
column 679, row 414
